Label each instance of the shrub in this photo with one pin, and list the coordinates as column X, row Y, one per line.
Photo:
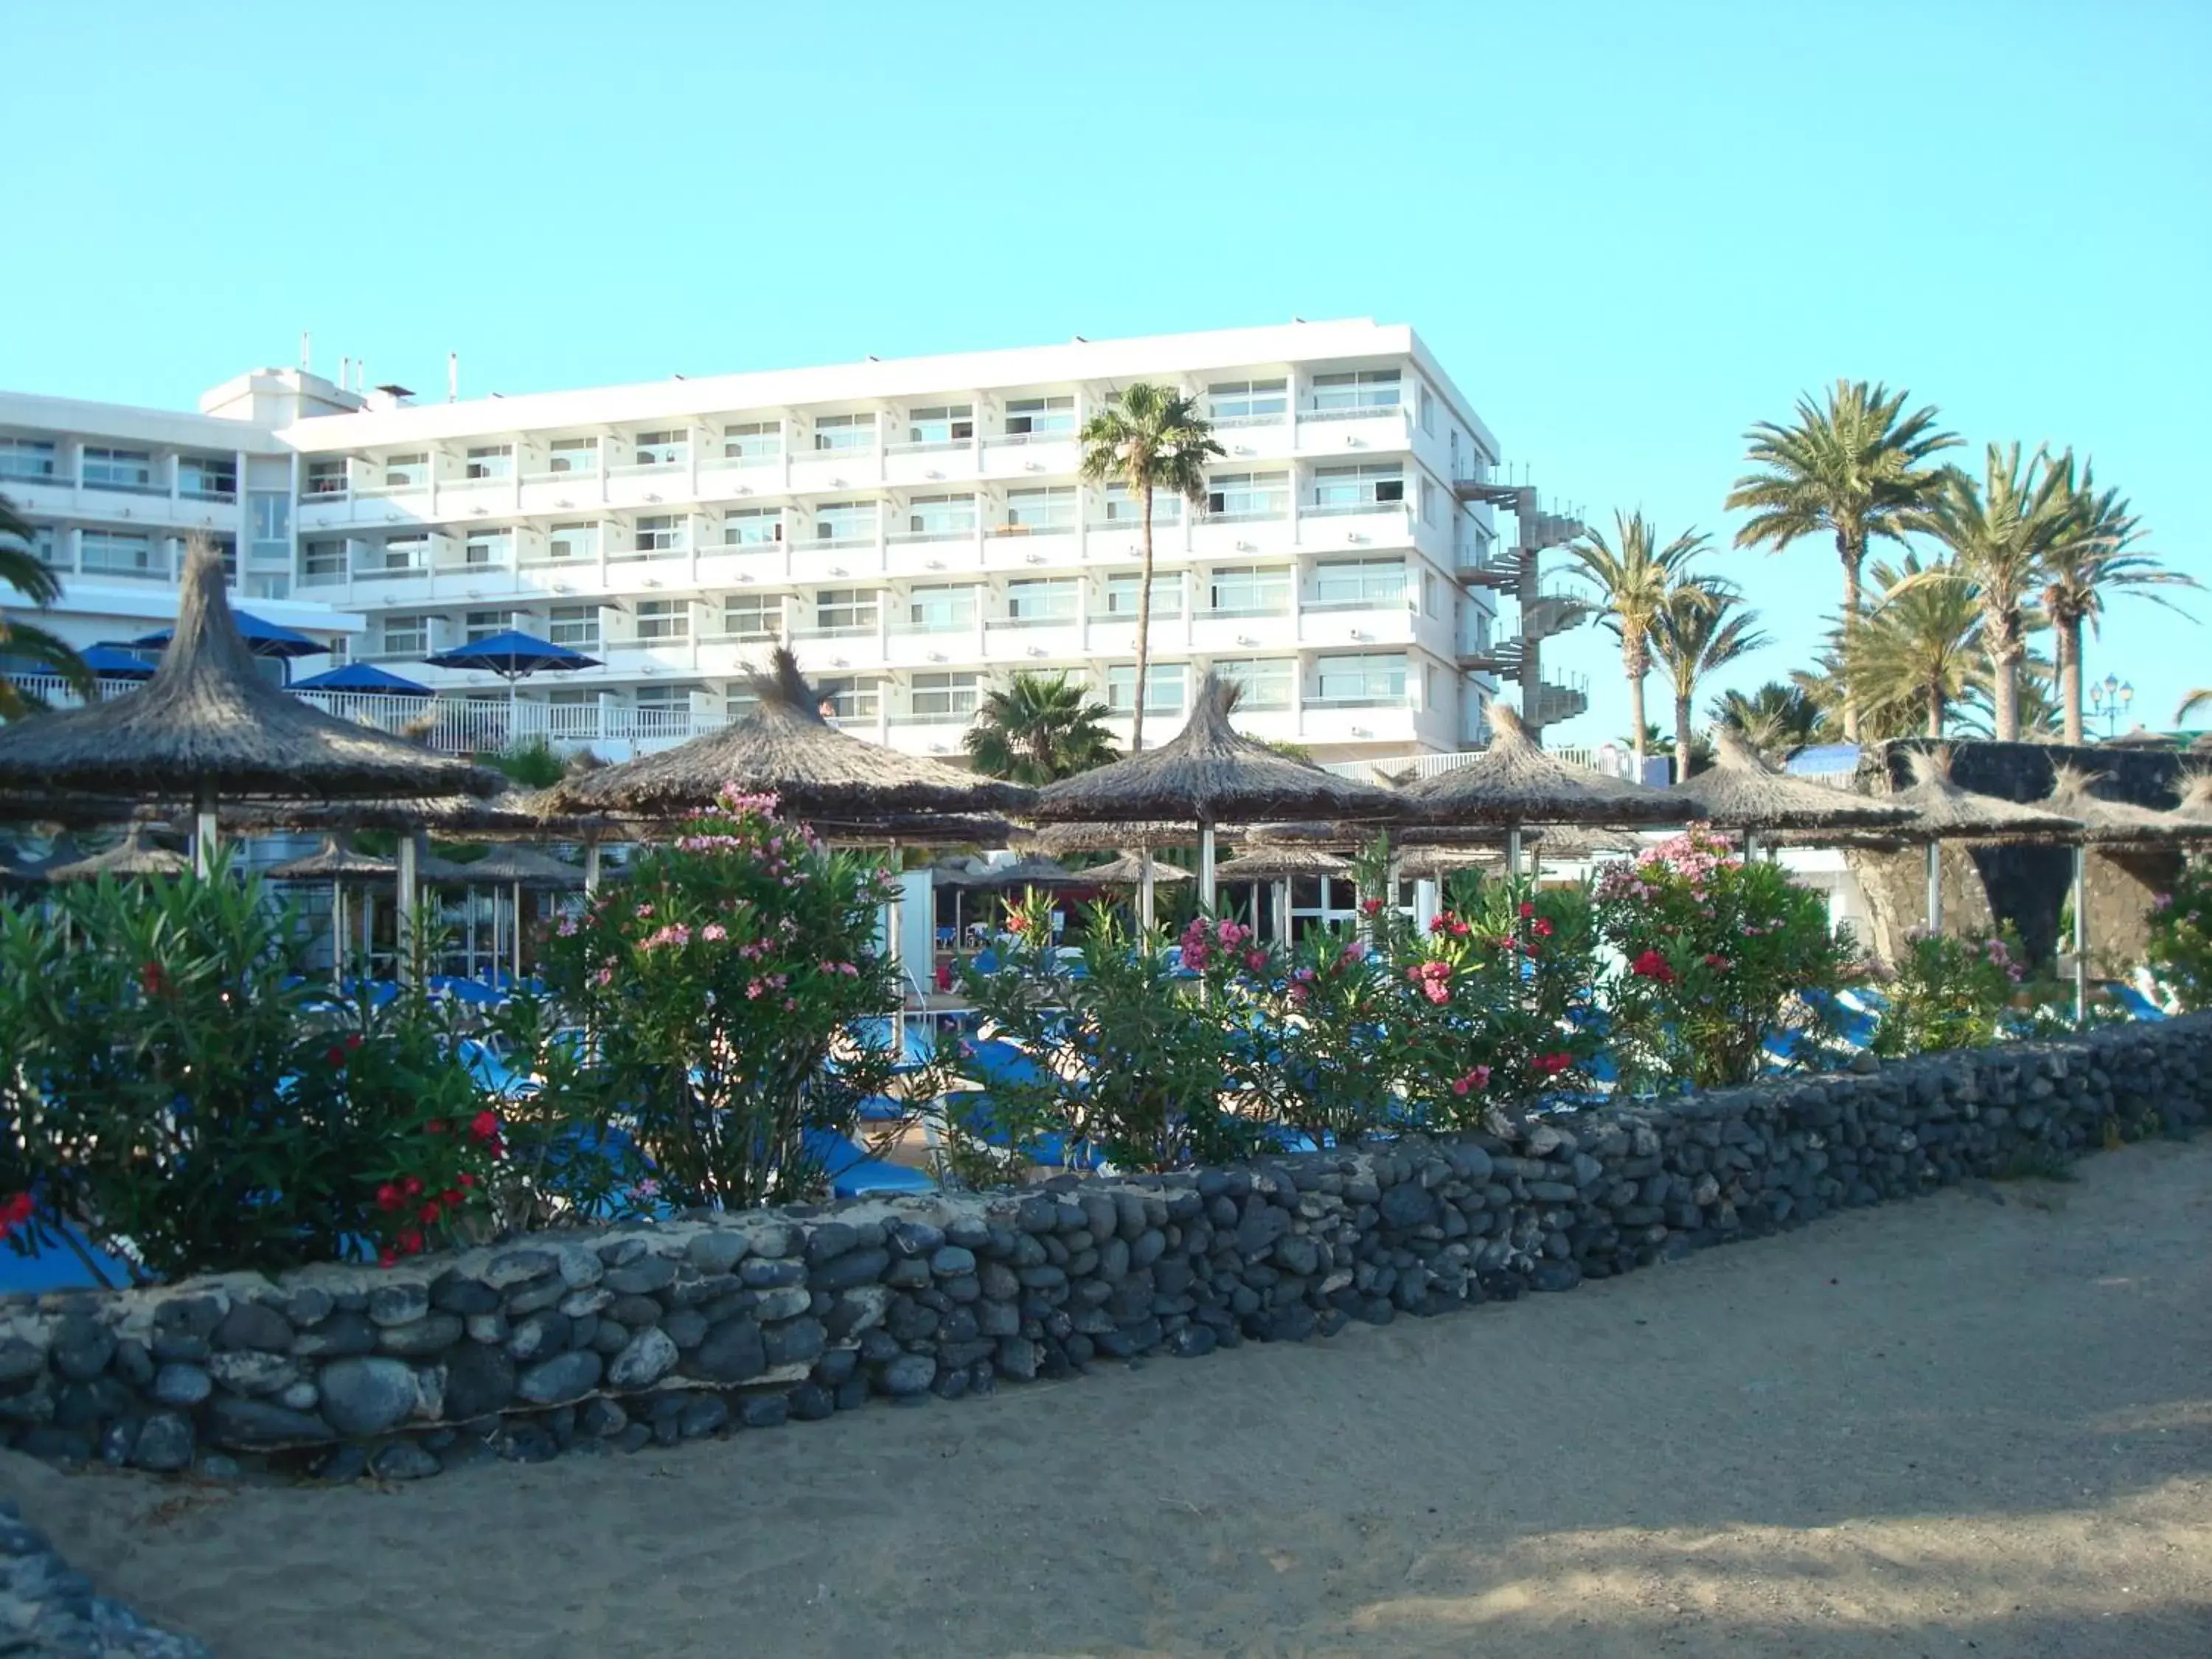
column 1719, row 955
column 180, row 1094
column 1948, row 993
column 1331, row 1056
column 717, row 992
column 1141, row 1065
column 2181, row 937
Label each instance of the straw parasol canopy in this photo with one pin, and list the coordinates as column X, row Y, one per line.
column 1210, row 773
column 1743, row 791
column 918, row 830
column 1128, row 871
column 1059, row 840
column 1946, row 813
column 784, row 747
column 510, row 811
column 336, row 861
column 1305, row 832
column 2195, row 806
column 2112, row 823
column 208, row 724
column 1281, row 864
column 503, row 867
column 137, row 854
column 1513, row 782
column 1021, row 873
column 1438, row 863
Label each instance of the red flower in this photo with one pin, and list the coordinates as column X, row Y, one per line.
column 436, row 1125
column 428, row 1215
column 409, row 1242
column 387, row 1259
column 1543, row 928
column 1652, row 965
column 1717, row 963
column 451, row 1198
column 412, row 1187
column 1551, row 1064
column 153, row 980
column 388, row 1197
column 1528, row 910
column 466, row 1179
column 484, row 1126
column 334, row 1057
column 354, row 1040
column 1372, row 906
column 15, row 1212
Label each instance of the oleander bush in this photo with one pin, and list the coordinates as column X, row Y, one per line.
column 2181, row 937
column 1946, row 992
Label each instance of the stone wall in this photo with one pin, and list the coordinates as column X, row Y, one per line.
column 641, row 1335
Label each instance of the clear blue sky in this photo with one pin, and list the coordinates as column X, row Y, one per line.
column 1628, row 229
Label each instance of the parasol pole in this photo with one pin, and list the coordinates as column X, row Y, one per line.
column 1513, row 850
column 591, row 868
column 517, row 933
column 1144, row 887
column 204, row 831
column 2081, row 933
column 1282, row 892
column 894, row 919
column 1934, row 856
column 1206, row 867
column 403, row 932
column 337, row 932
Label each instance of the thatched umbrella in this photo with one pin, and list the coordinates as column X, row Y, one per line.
column 1513, row 782
column 1741, row 791
column 1946, row 813
column 1132, row 870
column 1209, row 773
column 208, row 725
column 784, row 747
column 1021, row 873
column 2107, row 824
column 137, row 854
column 338, row 863
column 1277, row 866
column 1059, row 840
column 2195, row 806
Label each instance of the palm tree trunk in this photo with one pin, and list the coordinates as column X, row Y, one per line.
column 1632, row 664
column 1852, row 552
column 2004, row 690
column 2069, row 631
column 1681, row 733
column 1143, row 623
column 1936, row 710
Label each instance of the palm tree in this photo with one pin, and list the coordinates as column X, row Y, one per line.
column 21, row 570
column 1918, row 651
column 1775, row 720
column 1634, row 584
column 2103, row 552
column 1038, row 728
column 1858, row 469
column 2191, row 702
column 1695, row 635
column 2001, row 536
column 1151, row 437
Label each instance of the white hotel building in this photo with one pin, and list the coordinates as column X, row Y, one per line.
column 916, row 529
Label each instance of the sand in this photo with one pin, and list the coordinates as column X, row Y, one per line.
column 1979, row 1423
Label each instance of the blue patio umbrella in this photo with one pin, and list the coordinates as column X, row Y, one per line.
column 264, row 639
column 514, row 656
column 116, row 662
column 364, row 678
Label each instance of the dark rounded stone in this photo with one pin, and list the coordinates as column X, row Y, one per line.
column 528, row 1442
column 849, row 1268
column 809, row 1402
column 636, row 1437
column 367, row 1396
column 451, row 1293
column 254, row 1326
column 799, row 1341
column 81, row 1348
column 432, row 1334
column 341, row 1464
column 479, row 1380
column 403, row 1460
column 763, row 1411
column 398, row 1304
column 343, row 1333
column 908, row 1375
column 642, row 1276
column 764, row 1273
column 255, row 1425
column 731, row 1351
column 707, row 1415
column 563, row 1378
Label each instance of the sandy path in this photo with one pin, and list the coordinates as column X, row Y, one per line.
column 1979, row 1423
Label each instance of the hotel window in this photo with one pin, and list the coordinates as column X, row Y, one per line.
column 1249, row 494
column 1034, row 601
column 1429, row 686
column 661, row 532
column 118, row 469
column 1374, row 584
column 26, row 458
column 1051, row 508
column 1122, row 597
column 322, row 560
column 404, row 636
column 752, row 441
column 406, row 472
column 207, row 477
column 1249, row 400
column 1266, row 681
column 403, row 553
column 490, row 461
column 943, row 424
column 1163, row 683
column 1374, row 679
column 941, row 610
column 941, row 515
column 1429, row 415
column 943, row 696
column 1248, row 591
column 44, row 548
column 664, row 710
column 663, row 619
column 1429, row 592
column 575, row 455
column 1432, row 500
column 576, row 626
column 845, row 523
column 844, row 432
column 753, row 526
column 1035, row 418
column 752, row 616
column 118, row 552
column 327, row 477
column 1365, row 388
column 573, row 541
column 1353, row 487
column 738, row 702
column 848, row 609
column 486, row 547
column 1121, row 508
column 477, row 625
column 851, row 698
column 662, row 448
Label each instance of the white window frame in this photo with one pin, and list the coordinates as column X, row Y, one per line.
column 1359, row 585
column 1041, row 601
column 1374, row 679
column 752, row 442
column 580, row 537
column 576, row 626
column 662, row 622
column 1166, row 684
column 487, row 461
column 1051, row 414
column 1359, row 389
column 1245, row 498
column 1267, row 681
column 846, row 610
column 1248, row 590
column 844, row 434
column 562, row 453
column 661, row 532
column 1042, row 508
column 1258, row 402
column 668, row 447
column 119, row 469
column 19, row 458
column 949, row 694
column 765, row 609
column 1123, row 589
column 941, row 608
column 753, row 526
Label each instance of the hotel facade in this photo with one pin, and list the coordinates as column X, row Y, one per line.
column 916, row 529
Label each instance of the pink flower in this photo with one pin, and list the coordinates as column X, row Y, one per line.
column 714, row 932
column 605, row 976
column 1479, row 1078
column 568, row 927
column 645, row 913
column 1256, row 961
column 754, row 988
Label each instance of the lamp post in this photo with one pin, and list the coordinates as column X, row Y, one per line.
column 2110, row 697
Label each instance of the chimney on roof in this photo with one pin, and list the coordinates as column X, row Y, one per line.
column 452, row 377
column 392, row 396
column 305, row 341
